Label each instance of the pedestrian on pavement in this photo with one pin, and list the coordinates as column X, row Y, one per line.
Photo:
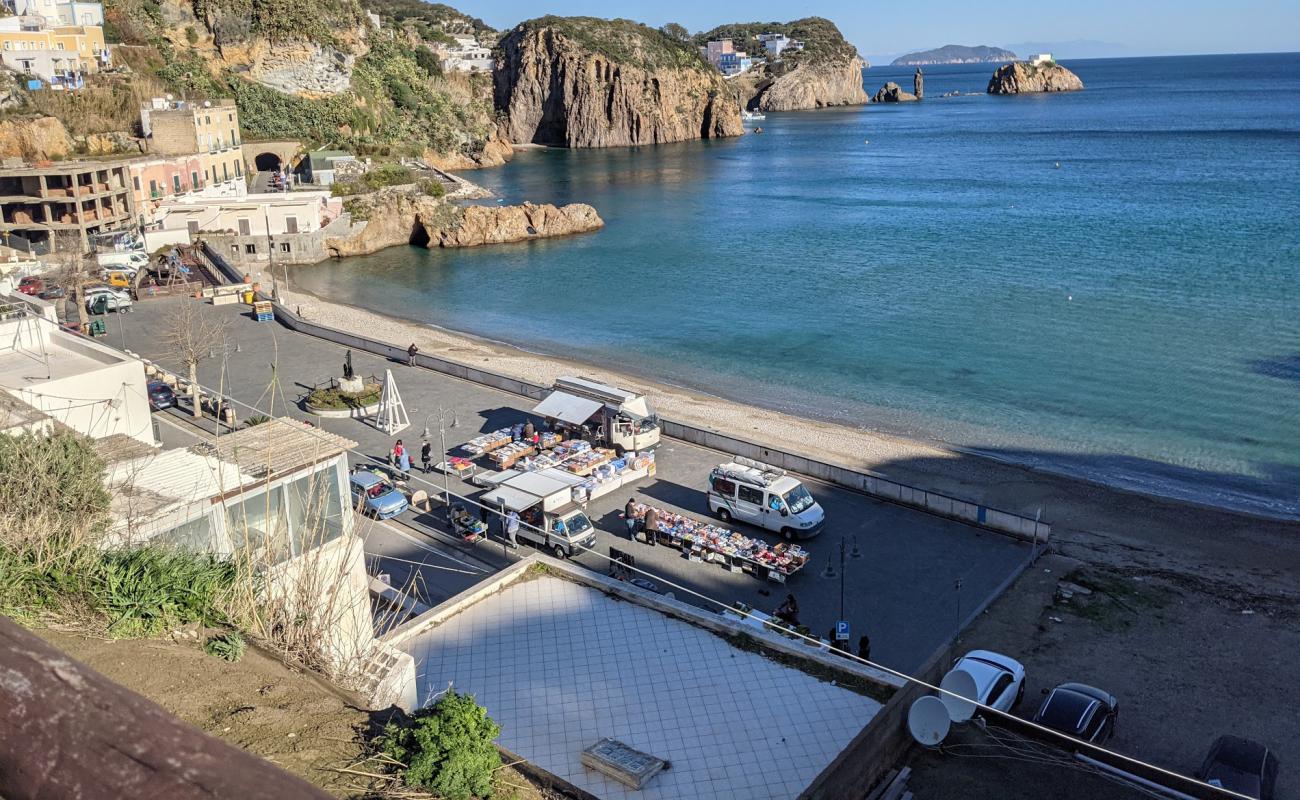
column 528, row 431
column 410, row 354
column 629, row 516
column 864, row 647
column 512, row 528
column 426, row 456
column 404, row 465
column 651, row 526
column 396, row 456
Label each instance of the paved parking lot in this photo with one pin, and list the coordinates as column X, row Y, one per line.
column 915, row 578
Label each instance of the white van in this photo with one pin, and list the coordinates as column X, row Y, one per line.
column 762, row 495
column 135, row 261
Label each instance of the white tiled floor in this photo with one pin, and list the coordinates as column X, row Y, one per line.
column 560, row 666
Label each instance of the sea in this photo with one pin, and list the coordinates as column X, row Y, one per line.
column 1104, row 283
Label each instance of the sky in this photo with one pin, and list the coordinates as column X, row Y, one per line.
column 1082, row 29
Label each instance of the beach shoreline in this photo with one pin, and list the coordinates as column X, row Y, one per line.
column 1082, row 512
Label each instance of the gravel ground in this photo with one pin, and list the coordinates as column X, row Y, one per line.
column 1188, row 659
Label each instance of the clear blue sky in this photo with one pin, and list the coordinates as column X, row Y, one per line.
column 1138, row 27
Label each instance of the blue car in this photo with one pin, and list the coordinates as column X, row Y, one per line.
column 160, row 396
column 375, row 497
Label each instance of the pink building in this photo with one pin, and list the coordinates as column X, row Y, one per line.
column 163, row 177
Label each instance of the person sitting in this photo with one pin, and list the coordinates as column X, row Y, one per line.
column 788, row 612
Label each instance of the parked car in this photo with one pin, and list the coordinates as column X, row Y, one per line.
column 161, row 396
column 999, row 680
column 1080, row 711
column 31, row 285
column 375, row 496
column 1242, row 766
column 52, row 291
column 115, row 299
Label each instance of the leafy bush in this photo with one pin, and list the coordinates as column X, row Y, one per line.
column 432, row 187
column 428, row 62
column 446, row 749
column 255, row 420
column 332, row 397
column 148, row 590
column 226, row 646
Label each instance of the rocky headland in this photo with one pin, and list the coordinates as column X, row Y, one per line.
column 826, row 72
column 399, row 216
column 586, row 82
column 1021, row 77
column 955, row 54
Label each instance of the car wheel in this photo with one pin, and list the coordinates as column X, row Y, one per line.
column 787, row 534
column 557, row 550
column 724, row 515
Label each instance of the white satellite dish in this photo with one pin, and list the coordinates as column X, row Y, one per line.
column 959, row 682
column 928, row 721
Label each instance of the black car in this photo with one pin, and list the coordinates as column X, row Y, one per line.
column 160, row 396
column 52, row 291
column 1080, row 711
column 1242, row 766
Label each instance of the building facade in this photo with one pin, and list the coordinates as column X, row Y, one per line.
column 257, row 229
column 209, row 128
column 60, row 56
column 467, row 55
column 86, row 197
column 59, row 12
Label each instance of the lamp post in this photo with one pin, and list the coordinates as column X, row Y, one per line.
column 442, row 436
column 830, row 574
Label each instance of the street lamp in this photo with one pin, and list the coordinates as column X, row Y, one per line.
column 830, row 574
column 442, row 435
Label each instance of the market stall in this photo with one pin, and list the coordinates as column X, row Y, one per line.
column 506, row 455
column 458, row 467
column 488, row 442
column 703, row 541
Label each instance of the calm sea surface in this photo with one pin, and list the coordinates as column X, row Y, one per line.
column 1105, row 283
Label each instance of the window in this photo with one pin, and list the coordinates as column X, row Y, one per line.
column 999, row 686
column 234, row 248
column 239, row 170
column 176, row 183
column 225, row 175
column 207, row 176
column 153, row 188
column 751, row 495
column 194, row 180
column 192, row 225
column 724, row 487
column 245, row 228
column 250, row 249
column 285, row 247
column 290, row 224
column 135, row 179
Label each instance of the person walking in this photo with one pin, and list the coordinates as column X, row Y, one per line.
column 864, row 647
column 396, row 455
column 651, row 526
column 404, row 465
column 426, row 456
column 512, row 529
column 629, row 517
column 410, row 354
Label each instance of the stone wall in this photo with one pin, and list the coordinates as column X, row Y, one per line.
column 304, row 248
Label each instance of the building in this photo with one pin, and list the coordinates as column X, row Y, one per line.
column 209, row 128
column 776, row 43
column 74, row 381
column 256, row 229
column 156, row 179
column 59, row 56
column 39, row 202
column 1041, row 58
column 734, row 63
column 467, row 55
column 715, row 50
column 61, row 13
column 320, row 166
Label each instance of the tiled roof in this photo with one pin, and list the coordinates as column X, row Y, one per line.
column 276, row 447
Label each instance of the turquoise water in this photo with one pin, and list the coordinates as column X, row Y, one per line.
column 1131, row 315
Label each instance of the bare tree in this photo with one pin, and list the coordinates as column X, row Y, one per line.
column 69, row 259
column 191, row 336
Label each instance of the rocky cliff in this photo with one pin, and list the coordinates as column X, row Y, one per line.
column 1021, row 77
column 585, row 82
column 893, row 93
column 399, row 217
column 808, row 86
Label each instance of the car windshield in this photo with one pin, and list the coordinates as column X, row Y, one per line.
column 577, row 524
column 1065, row 711
column 798, row 499
column 376, row 491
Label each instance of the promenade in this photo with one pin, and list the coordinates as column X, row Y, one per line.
column 917, row 578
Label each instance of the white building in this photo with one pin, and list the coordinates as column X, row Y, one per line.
column 58, row 12
column 775, row 43
column 1041, row 58
column 467, row 55
column 271, row 214
column 93, row 389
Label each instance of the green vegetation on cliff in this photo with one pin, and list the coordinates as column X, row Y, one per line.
column 432, row 21
column 623, row 41
column 823, row 42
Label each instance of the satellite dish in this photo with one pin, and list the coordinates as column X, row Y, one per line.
column 959, row 682
column 928, row 721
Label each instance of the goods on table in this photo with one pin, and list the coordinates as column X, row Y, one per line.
column 698, row 538
column 487, row 442
column 458, row 466
column 551, row 439
column 538, row 462
column 585, row 461
column 506, row 455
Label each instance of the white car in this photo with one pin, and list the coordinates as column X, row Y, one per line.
column 999, row 680
column 118, row 300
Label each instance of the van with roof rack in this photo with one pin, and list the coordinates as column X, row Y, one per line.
column 765, row 496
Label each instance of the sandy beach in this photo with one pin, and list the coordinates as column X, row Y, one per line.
column 1091, row 521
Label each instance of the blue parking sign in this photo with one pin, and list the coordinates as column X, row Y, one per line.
column 842, row 631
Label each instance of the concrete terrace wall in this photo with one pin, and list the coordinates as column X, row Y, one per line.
column 869, row 483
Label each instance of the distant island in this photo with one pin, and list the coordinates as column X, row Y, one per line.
column 955, row 54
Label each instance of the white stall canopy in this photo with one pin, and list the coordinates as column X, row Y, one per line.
column 567, row 408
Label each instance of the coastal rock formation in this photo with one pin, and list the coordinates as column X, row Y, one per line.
column 892, row 93
column 825, row 71
column 400, row 217
column 586, row 82
column 478, row 225
column 809, row 86
column 1022, row 77
column 954, row 54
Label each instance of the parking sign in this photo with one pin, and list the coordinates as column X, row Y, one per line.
column 842, row 631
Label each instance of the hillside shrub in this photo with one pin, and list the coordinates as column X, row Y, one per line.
column 226, row 646
column 147, row 590
column 447, row 748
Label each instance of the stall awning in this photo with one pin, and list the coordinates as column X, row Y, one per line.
column 567, row 408
column 510, row 499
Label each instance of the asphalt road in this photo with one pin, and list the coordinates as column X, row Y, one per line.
column 916, row 577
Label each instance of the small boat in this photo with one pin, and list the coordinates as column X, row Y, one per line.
column 752, row 116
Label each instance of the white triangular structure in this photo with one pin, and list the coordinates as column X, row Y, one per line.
column 392, row 413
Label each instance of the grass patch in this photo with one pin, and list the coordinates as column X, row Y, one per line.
column 1116, row 601
column 337, row 399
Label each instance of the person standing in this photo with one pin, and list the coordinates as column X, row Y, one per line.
column 629, row 517
column 426, row 456
column 864, row 647
column 651, row 526
column 404, row 465
column 528, row 431
column 512, row 529
column 410, row 354
column 396, row 455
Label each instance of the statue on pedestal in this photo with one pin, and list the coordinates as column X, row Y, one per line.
column 347, row 365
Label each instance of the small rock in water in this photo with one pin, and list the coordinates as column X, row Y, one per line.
column 1245, row 611
column 1056, row 619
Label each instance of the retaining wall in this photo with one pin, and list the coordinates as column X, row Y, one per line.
column 1015, row 525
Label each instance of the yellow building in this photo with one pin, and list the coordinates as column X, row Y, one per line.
column 209, row 128
column 78, row 48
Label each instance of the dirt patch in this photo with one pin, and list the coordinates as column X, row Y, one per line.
column 291, row 718
column 1187, row 660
